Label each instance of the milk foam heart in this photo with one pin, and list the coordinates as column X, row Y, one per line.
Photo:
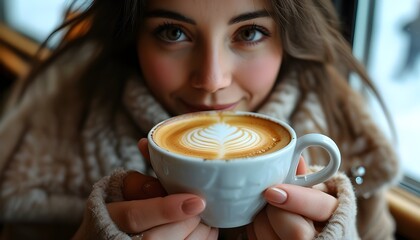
column 222, row 138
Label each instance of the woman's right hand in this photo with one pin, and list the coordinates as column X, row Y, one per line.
column 161, row 217
column 151, row 212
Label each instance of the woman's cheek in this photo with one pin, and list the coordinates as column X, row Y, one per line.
column 162, row 74
column 260, row 75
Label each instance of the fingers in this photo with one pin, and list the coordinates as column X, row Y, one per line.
column 274, row 223
column 262, row 228
column 140, row 215
column 202, row 231
column 142, row 144
column 214, row 234
column 172, row 217
column 301, row 168
column 137, row 186
column 177, row 230
column 311, row 203
column 288, row 225
column 189, row 229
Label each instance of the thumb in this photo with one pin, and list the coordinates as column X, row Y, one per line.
column 142, row 146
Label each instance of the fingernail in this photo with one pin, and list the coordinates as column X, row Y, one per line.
column 193, row 206
column 276, row 195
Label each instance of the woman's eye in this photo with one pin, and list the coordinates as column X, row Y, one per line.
column 171, row 33
column 251, row 34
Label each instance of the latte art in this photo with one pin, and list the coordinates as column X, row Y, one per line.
column 222, row 138
column 223, row 135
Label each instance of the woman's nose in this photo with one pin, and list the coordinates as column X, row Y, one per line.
column 211, row 72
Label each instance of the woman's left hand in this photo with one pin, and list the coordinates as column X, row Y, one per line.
column 293, row 212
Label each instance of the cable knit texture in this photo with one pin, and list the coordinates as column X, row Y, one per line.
column 47, row 179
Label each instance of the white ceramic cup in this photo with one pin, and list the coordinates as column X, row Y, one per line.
column 233, row 189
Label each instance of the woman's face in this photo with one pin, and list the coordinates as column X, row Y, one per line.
column 198, row 55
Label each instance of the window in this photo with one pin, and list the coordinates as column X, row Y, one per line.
column 35, row 19
column 387, row 40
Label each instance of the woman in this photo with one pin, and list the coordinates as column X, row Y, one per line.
column 78, row 116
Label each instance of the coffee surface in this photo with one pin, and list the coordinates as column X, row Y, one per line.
column 221, row 136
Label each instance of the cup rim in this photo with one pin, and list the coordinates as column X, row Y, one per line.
column 231, row 160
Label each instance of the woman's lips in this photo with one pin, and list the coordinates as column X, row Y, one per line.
column 199, row 107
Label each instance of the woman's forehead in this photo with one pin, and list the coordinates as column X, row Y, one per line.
column 202, row 9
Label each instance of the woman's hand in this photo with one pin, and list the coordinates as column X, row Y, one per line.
column 150, row 211
column 293, row 212
column 159, row 217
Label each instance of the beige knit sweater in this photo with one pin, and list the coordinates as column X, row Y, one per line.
column 46, row 176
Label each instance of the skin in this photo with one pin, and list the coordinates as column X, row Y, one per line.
column 209, row 55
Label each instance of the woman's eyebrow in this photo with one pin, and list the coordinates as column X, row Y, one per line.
column 169, row 14
column 249, row 16
column 177, row 16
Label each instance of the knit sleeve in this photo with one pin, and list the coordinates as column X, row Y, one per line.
column 97, row 224
column 342, row 224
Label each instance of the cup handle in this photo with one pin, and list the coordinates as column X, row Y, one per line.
column 314, row 139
